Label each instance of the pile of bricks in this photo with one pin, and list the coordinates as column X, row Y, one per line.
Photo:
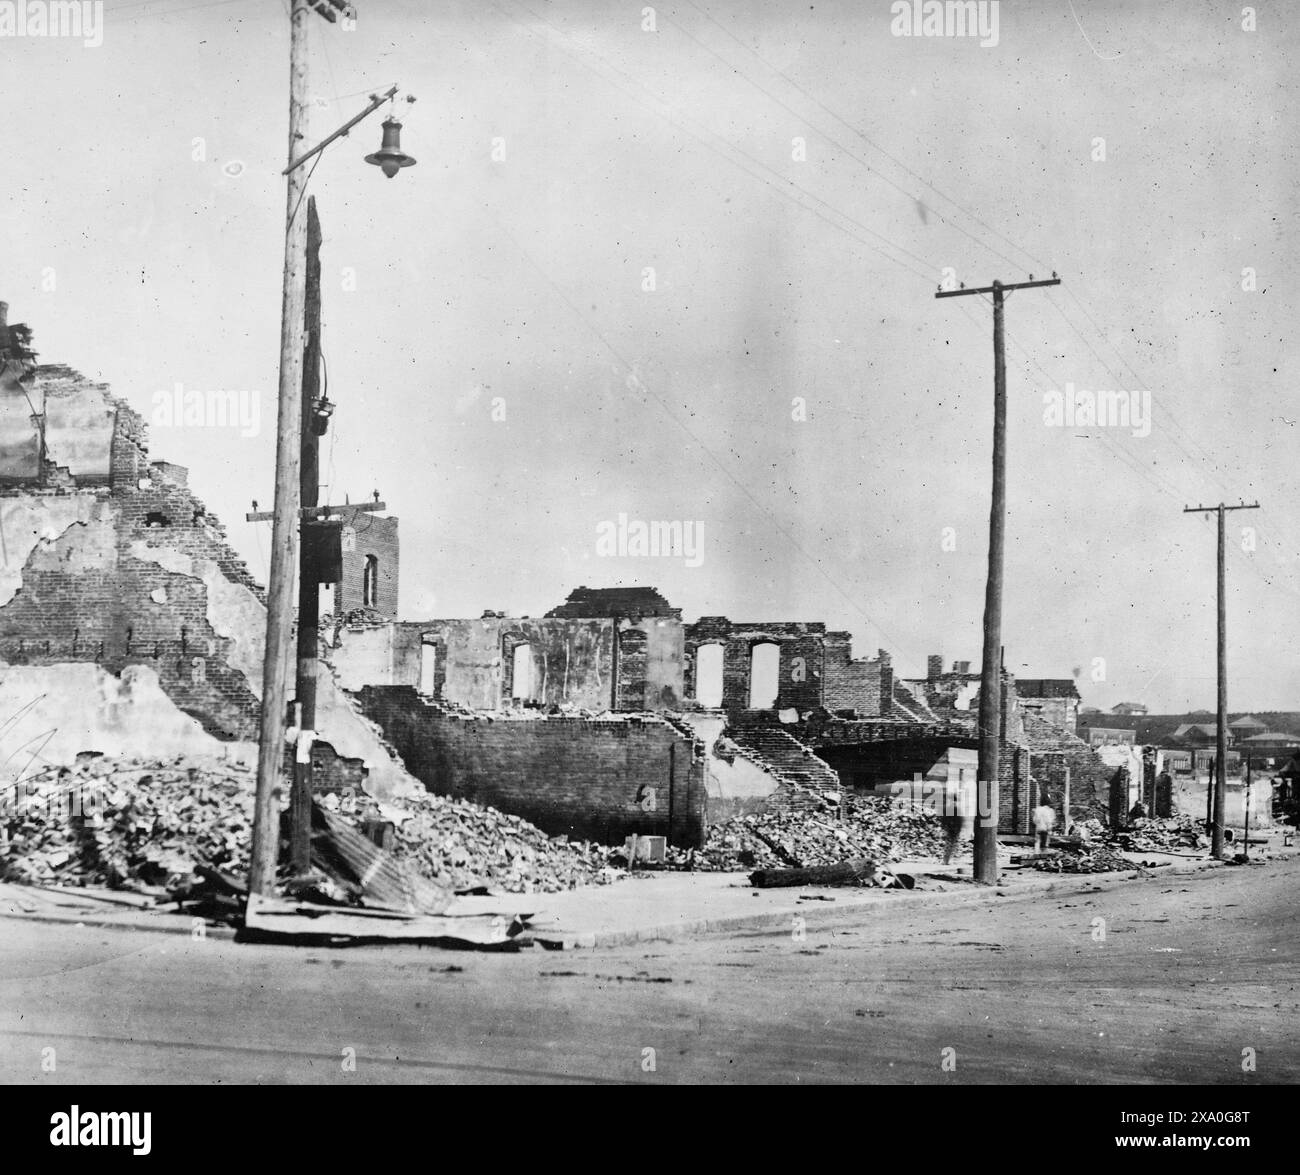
column 126, row 823
column 1094, row 858
column 1154, row 836
column 459, row 845
column 875, row 827
column 146, row 826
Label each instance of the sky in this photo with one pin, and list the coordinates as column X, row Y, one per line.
column 678, row 264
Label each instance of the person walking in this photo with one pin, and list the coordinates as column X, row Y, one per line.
column 1044, row 821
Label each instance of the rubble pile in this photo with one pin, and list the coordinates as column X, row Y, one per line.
column 876, row 827
column 1096, row 858
column 149, row 825
column 1155, row 836
column 127, row 823
column 460, row 845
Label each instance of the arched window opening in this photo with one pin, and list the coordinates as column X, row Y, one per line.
column 428, row 668
column 370, row 582
column 523, row 674
column 764, row 675
column 708, row 676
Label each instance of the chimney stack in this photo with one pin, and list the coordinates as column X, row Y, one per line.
column 934, row 665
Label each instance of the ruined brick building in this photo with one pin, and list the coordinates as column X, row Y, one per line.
column 128, row 625
column 611, row 714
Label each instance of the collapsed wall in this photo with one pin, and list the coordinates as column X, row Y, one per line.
column 1056, row 752
column 589, row 778
column 127, row 622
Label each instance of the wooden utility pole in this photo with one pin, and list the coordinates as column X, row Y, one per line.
column 1219, row 779
column 990, row 712
column 308, row 571
column 284, row 531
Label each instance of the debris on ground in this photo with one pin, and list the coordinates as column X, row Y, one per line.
column 878, row 827
column 155, row 826
column 461, row 845
column 1096, row 858
column 862, row 872
column 128, row 823
column 1161, row 835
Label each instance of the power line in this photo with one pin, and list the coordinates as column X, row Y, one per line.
column 875, row 146
column 834, row 142
column 930, row 269
column 641, row 386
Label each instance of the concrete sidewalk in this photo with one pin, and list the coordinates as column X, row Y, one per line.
column 643, row 908
column 668, row 906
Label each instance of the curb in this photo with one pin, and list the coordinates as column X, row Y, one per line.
column 106, row 922
column 699, row 927
column 171, row 923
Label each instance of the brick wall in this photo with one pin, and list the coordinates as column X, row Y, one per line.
column 1053, row 750
column 125, row 585
column 600, row 780
column 799, row 675
column 862, row 686
column 366, row 535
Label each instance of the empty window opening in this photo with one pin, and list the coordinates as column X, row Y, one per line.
column 764, row 675
column 156, row 518
column 524, row 674
column 708, row 676
column 370, row 583
column 428, row 668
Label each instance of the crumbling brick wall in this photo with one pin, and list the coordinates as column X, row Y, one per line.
column 134, row 580
column 800, row 645
column 862, row 686
column 584, row 778
column 1052, row 750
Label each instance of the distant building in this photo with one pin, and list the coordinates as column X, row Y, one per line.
column 1129, row 708
column 1110, row 736
column 1054, row 698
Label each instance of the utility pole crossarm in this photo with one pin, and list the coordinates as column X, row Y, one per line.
column 309, row 512
column 1029, row 285
column 1220, row 506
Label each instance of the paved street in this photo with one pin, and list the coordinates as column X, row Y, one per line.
column 1192, row 970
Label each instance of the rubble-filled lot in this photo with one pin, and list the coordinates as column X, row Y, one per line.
column 127, row 823
column 146, row 825
column 872, row 827
column 459, row 844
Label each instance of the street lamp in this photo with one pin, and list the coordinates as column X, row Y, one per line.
column 390, row 156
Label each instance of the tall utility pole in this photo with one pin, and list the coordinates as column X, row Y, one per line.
column 284, row 530
column 990, row 713
column 299, row 421
column 1219, row 782
column 313, row 418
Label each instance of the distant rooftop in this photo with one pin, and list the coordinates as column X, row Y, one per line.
column 1046, row 687
column 587, row 603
